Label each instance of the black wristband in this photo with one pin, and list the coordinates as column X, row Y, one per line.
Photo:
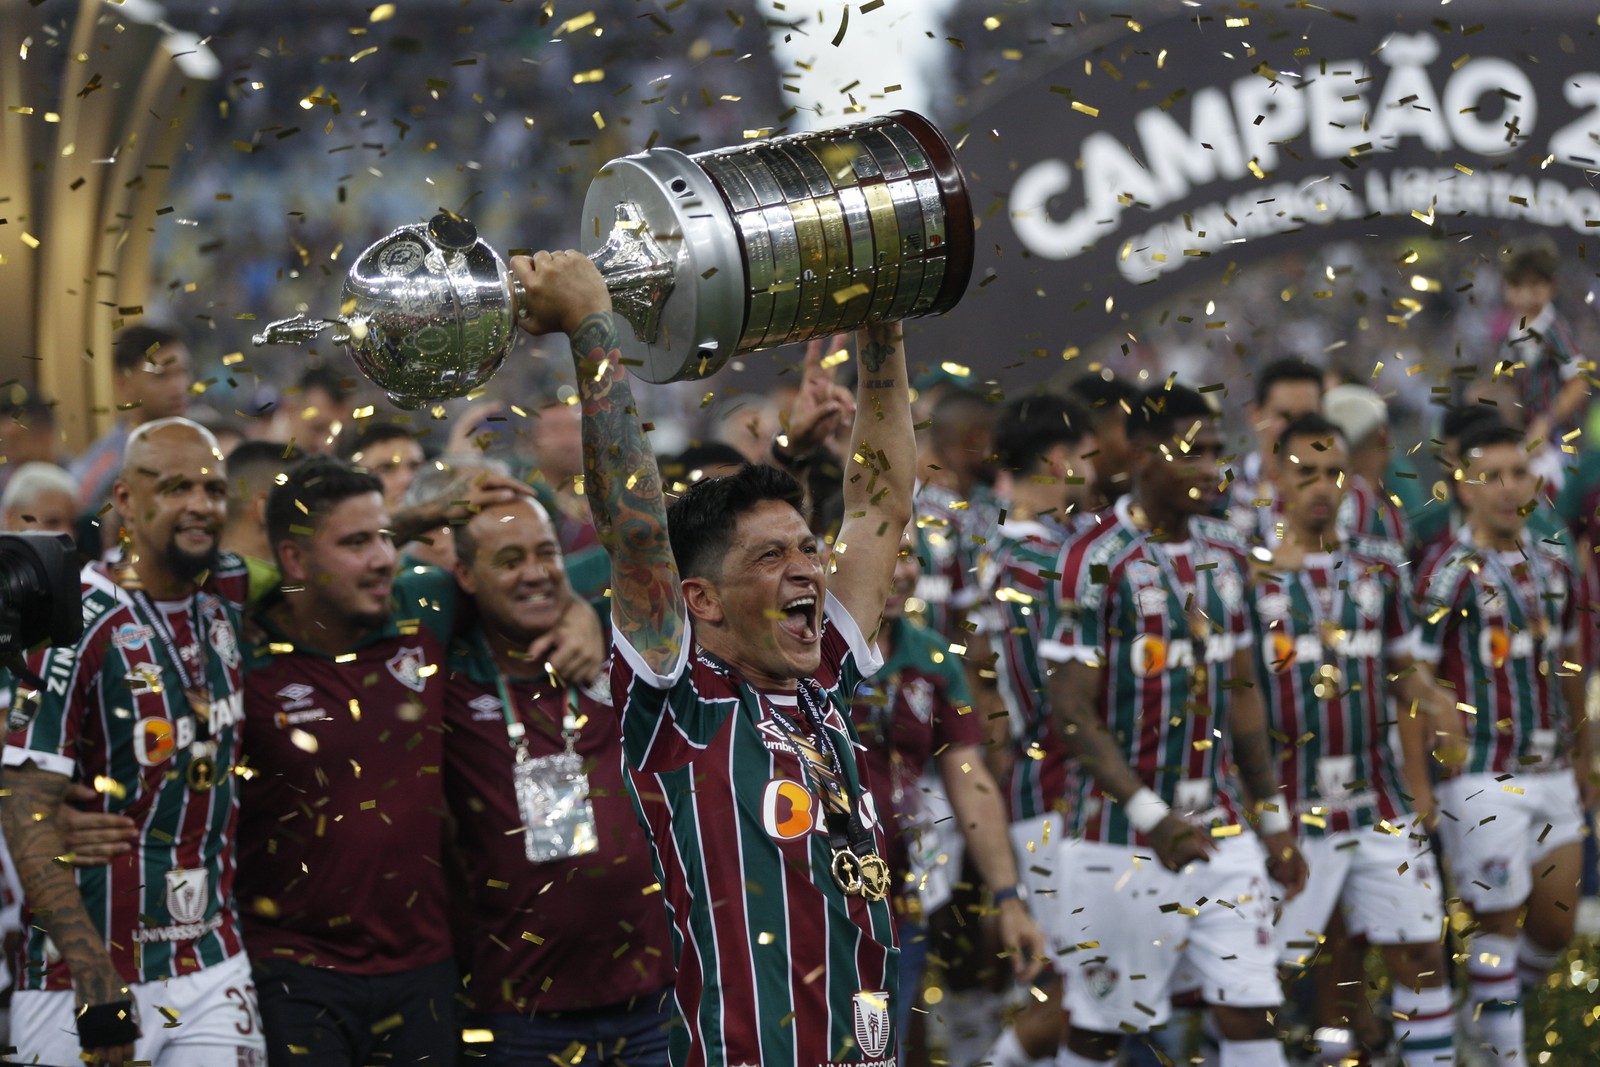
column 107, row 1025
column 795, row 460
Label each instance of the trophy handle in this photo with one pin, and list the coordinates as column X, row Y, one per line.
column 638, row 274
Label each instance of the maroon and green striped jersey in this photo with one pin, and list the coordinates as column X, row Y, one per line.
column 341, row 833
column 1542, row 357
column 776, row 964
column 565, row 935
column 1018, row 612
column 951, row 537
column 114, row 712
column 1498, row 624
column 1329, row 633
column 1130, row 606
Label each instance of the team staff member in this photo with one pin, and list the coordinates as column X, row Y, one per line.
column 1151, row 645
column 341, row 830
column 1334, row 641
column 597, row 971
column 147, row 705
column 739, row 752
column 1499, row 620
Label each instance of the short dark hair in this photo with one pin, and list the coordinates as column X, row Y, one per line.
column 1029, row 426
column 1310, row 425
column 1486, row 434
column 1288, row 369
column 1457, row 421
column 327, row 379
column 316, row 485
column 134, row 346
column 1105, row 394
column 1533, row 260
column 955, row 412
column 370, row 432
column 700, row 522
column 250, row 462
column 1160, row 409
column 697, row 457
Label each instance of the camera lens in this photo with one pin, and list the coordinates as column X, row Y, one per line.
column 39, row 591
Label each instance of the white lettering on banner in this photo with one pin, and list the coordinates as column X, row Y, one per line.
column 1485, row 107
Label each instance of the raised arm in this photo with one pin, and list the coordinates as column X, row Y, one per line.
column 879, row 478
column 621, row 483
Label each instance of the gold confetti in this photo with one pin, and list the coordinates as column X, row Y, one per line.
column 382, row 13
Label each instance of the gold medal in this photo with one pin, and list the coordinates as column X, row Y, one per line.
column 847, row 872
column 874, row 877
column 202, row 773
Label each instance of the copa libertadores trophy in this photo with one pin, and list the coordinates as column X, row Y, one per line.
column 705, row 256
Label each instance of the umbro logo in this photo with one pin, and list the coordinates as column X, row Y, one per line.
column 485, row 707
column 296, row 696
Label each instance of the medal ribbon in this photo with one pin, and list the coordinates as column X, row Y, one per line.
column 157, row 620
column 517, row 733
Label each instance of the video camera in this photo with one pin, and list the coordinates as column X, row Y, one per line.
column 40, row 595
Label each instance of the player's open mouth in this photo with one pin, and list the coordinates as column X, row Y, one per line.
column 799, row 618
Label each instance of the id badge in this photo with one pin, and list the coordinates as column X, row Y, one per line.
column 557, row 818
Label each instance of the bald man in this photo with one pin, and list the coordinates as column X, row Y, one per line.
column 147, row 706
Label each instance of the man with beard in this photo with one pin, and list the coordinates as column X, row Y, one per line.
column 147, row 706
column 340, row 867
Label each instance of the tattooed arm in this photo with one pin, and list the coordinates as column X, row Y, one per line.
column 621, row 483
column 28, row 816
column 879, row 478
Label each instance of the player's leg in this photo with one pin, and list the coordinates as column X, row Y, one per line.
column 1232, row 947
column 412, row 1017
column 1486, row 833
column 1557, row 875
column 218, row 1020
column 1394, row 899
column 1305, row 926
column 1121, row 985
column 310, row 1017
column 42, row 1027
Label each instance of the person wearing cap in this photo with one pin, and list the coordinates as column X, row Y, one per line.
column 1379, row 496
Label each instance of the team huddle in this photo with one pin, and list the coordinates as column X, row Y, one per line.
column 1197, row 721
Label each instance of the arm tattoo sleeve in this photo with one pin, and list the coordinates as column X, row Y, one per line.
column 623, row 488
column 28, row 816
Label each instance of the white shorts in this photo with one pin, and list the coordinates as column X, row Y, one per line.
column 1387, row 885
column 1496, row 832
column 1037, row 844
column 204, row 1019
column 1136, row 922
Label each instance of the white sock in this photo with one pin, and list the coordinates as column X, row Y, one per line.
column 1534, row 963
column 1424, row 1026
column 1334, row 1044
column 1496, row 996
column 1267, row 1053
column 1007, row 1051
column 1065, row 1057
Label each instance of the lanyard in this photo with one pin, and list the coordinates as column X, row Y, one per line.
column 517, row 732
column 197, row 692
column 844, row 828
